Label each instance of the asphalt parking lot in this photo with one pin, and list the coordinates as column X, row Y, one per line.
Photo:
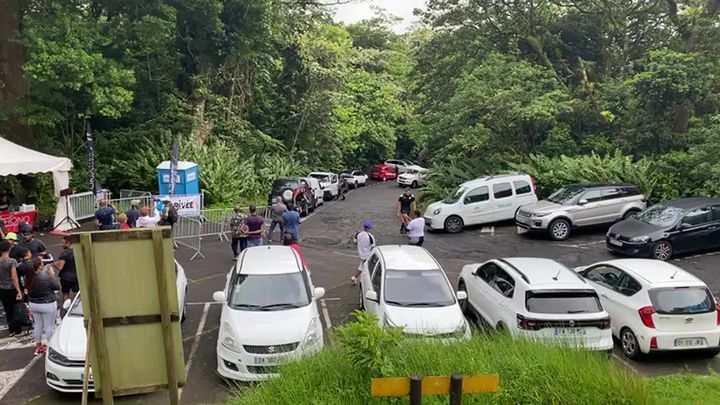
column 326, row 243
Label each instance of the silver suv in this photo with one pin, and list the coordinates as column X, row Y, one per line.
column 579, row 205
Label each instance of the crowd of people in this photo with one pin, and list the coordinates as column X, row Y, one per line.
column 109, row 217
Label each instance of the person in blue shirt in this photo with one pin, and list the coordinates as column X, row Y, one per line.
column 104, row 215
column 291, row 220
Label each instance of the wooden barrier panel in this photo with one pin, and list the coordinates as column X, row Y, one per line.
column 400, row 386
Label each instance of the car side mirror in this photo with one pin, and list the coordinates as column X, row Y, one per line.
column 461, row 295
column 466, row 200
column 318, row 292
column 582, row 202
column 66, row 304
column 371, row 296
column 684, row 226
column 218, row 296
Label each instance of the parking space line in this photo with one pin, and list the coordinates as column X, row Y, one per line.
column 326, row 314
column 196, row 343
column 14, row 380
column 679, row 259
column 626, row 363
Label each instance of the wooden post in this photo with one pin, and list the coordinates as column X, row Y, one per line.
column 456, row 389
column 86, row 379
column 165, row 316
column 98, row 330
column 416, row 390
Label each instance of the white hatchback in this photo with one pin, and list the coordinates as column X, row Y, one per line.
column 539, row 299
column 406, row 287
column 269, row 314
column 65, row 361
column 656, row 306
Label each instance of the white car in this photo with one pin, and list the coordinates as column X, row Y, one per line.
column 400, row 165
column 65, row 360
column 414, row 177
column 538, row 299
column 328, row 184
column 656, row 306
column 269, row 314
column 358, row 179
column 406, row 287
column 316, row 189
column 483, row 200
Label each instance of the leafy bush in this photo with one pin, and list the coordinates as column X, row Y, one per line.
column 368, row 344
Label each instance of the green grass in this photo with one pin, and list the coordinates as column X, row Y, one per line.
column 686, row 389
column 529, row 374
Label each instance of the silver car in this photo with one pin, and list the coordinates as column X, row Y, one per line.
column 579, row 205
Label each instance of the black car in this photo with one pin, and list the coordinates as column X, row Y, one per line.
column 287, row 189
column 678, row 226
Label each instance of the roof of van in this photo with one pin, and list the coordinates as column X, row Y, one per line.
column 544, row 273
column 268, row 260
column 484, row 178
column 406, row 257
column 654, row 271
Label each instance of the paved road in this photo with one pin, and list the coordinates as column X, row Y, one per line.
column 326, row 242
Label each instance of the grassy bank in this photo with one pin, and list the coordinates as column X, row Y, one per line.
column 686, row 389
column 529, row 374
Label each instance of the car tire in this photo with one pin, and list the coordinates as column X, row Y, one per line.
column 501, row 329
column 414, row 184
column 629, row 344
column 464, row 305
column 559, row 229
column 630, row 213
column 454, row 224
column 662, row 250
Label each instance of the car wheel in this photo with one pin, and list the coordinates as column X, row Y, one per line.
column 414, row 184
column 630, row 214
column 501, row 329
column 662, row 250
column 464, row 306
column 559, row 229
column 629, row 344
column 454, row 224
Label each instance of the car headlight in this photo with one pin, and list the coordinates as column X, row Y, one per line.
column 640, row 239
column 464, row 329
column 540, row 214
column 57, row 358
column 313, row 333
column 437, row 211
column 227, row 338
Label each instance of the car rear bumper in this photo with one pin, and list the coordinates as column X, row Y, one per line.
column 65, row 379
column 628, row 248
column 666, row 341
column 602, row 341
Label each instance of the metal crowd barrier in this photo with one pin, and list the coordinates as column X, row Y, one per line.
column 123, row 204
column 83, row 204
column 134, row 194
column 187, row 232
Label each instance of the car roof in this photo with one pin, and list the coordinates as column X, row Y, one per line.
column 601, row 185
column 544, row 273
column 691, row 202
column 268, row 260
column 485, row 178
column 406, row 257
column 655, row 271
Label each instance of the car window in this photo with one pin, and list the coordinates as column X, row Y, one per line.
column 592, row 195
column 521, row 187
column 377, row 270
column 372, row 261
column 502, row 190
column 270, row 292
column 416, row 288
column 630, row 191
column 697, row 216
column 605, row 275
column 716, row 212
column 628, row 286
column 487, row 272
column 611, row 194
column 477, row 195
column 503, row 283
column 562, row 302
column 682, row 300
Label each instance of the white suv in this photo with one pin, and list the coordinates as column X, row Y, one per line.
column 269, row 314
column 485, row 199
column 414, row 177
column 400, row 165
column 655, row 306
column 539, row 299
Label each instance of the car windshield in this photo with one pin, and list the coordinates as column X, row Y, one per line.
column 285, row 183
column 455, row 196
column 321, row 177
column 660, row 215
column 417, row 288
column 682, row 300
column 562, row 302
column 76, row 309
column 270, row 292
column 565, row 194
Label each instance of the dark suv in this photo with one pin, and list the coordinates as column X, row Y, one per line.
column 288, row 189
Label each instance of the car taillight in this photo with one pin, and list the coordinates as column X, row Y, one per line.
column 534, row 184
column 527, row 323
column 604, row 323
column 717, row 309
column 653, row 342
column 646, row 316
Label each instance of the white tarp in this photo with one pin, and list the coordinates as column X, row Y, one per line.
column 16, row 159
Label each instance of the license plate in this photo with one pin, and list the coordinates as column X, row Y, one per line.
column 615, row 242
column 570, row 332
column 689, row 342
column 269, row 360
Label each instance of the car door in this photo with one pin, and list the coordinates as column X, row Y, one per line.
column 605, row 280
column 589, row 208
column 612, row 203
column 696, row 231
column 478, row 289
column 376, row 285
column 523, row 194
column 366, row 276
column 477, row 207
column 502, row 292
column 503, row 198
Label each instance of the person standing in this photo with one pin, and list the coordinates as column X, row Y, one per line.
column 36, row 246
column 43, row 302
column 134, row 213
column 365, row 242
column 278, row 209
column 291, row 219
column 256, row 227
column 342, row 187
column 104, row 215
column 16, row 252
column 68, row 274
column 238, row 232
column 123, row 221
column 405, row 205
column 169, row 213
column 416, row 229
column 10, row 291
column 147, row 221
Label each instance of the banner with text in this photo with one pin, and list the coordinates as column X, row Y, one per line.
column 186, row 205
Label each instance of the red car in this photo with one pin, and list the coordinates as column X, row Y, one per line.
column 383, row 172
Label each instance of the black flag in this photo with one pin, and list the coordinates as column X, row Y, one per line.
column 94, row 184
column 173, row 165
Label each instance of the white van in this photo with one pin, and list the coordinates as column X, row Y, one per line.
column 483, row 200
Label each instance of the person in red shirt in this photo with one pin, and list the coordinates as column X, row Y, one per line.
column 122, row 220
column 289, row 240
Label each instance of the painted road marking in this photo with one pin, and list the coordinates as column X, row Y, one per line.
column 488, row 229
column 326, row 314
column 16, row 376
column 582, row 245
column 696, row 256
column 196, row 343
column 625, row 363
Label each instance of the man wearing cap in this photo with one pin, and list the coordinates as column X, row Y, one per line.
column 15, row 250
column 365, row 242
column 133, row 213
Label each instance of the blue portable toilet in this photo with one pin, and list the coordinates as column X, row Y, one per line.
column 187, row 180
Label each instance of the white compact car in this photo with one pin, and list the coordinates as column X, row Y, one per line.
column 656, row 306
column 65, row 360
column 406, row 287
column 358, row 179
column 269, row 314
column 538, row 299
column 483, row 200
column 414, row 177
column 328, row 184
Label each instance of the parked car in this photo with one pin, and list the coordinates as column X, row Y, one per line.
column 673, row 227
column 65, row 360
column 328, row 184
column 269, row 289
column 288, row 188
column 315, row 189
column 356, row 178
column 349, row 180
column 414, row 177
column 483, row 200
column 383, row 172
column 539, row 299
column 656, row 306
column 406, row 287
column 579, row 205
column 400, row 165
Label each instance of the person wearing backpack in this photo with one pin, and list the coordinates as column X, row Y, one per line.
column 238, row 232
column 10, row 291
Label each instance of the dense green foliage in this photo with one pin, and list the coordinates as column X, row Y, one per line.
column 260, row 88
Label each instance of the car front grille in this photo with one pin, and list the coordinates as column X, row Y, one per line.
column 272, row 349
column 78, row 383
column 263, row 369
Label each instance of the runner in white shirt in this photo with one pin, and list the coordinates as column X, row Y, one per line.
column 365, row 242
column 147, row 221
column 416, row 229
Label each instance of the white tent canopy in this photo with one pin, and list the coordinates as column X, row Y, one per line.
column 16, row 159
